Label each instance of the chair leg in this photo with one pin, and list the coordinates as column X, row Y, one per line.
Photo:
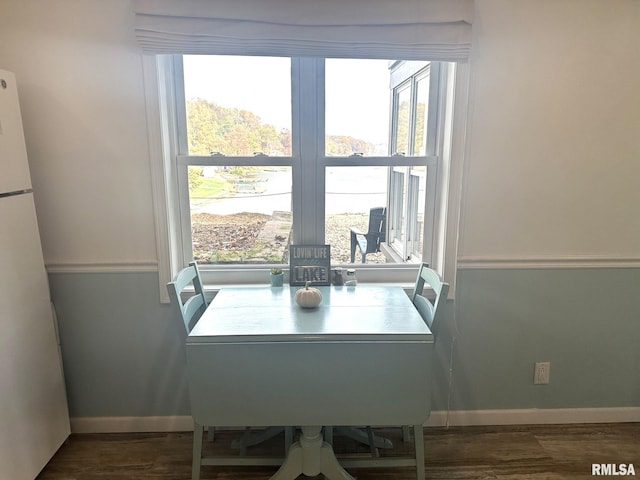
column 418, row 439
column 372, row 443
column 288, row 438
column 362, row 436
column 353, row 247
column 197, row 451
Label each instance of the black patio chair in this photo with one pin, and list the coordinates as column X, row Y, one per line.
column 370, row 242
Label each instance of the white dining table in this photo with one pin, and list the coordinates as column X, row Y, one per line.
column 361, row 358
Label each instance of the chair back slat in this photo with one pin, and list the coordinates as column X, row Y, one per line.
column 377, row 228
column 431, row 312
column 377, row 217
column 192, row 308
column 425, row 309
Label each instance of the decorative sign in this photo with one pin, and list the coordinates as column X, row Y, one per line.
column 309, row 263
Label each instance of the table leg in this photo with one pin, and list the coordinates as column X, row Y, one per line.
column 310, row 456
column 329, row 465
column 196, row 459
column 418, row 438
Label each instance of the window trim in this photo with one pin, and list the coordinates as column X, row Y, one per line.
column 158, row 73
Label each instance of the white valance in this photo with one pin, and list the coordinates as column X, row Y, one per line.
column 388, row 29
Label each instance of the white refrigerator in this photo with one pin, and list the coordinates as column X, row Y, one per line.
column 34, row 418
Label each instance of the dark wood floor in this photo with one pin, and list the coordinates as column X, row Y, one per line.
column 461, row 453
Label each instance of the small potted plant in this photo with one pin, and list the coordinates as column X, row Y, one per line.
column 277, row 277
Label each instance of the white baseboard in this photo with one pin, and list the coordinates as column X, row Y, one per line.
column 533, row 416
column 182, row 423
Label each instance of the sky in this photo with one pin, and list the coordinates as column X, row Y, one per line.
column 357, row 102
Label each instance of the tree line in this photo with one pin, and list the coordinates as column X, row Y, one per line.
column 213, row 128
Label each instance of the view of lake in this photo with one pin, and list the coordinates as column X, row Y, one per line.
column 349, row 190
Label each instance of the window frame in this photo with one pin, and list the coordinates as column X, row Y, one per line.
column 163, row 90
column 403, row 189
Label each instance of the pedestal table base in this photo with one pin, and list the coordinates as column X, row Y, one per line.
column 311, row 456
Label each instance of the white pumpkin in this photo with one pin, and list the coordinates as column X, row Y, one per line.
column 308, row 297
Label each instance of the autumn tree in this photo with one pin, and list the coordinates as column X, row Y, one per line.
column 231, row 131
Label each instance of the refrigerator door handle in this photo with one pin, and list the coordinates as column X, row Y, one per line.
column 17, row 192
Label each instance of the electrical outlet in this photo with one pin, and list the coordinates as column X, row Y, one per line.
column 541, row 373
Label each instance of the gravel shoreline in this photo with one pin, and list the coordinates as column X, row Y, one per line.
column 225, row 237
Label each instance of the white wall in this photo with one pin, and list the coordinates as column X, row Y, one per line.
column 554, row 160
column 553, row 164
column 80, row 83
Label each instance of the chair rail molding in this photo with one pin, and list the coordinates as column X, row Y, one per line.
column 116, row 266
column 468, row 262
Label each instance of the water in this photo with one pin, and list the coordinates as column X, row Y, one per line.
column 349, row 190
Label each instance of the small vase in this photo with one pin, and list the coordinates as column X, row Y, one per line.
column 277, row 279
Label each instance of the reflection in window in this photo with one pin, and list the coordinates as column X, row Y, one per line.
column 422, row 107
column 403, row 108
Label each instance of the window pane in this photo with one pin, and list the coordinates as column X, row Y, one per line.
column 402, row 103
column 238, row 105
column 356, row 107
column 351, row 192
column 406, row 211
column 397, row 200
column 240, row 214
column 422, row 107
column 415, row 228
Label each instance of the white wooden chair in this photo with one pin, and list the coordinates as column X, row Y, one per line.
column 191, row 308
column 431, row 313
column 191, row 305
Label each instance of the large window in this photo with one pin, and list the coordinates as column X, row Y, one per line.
column 336, row 137
column 272, row 151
